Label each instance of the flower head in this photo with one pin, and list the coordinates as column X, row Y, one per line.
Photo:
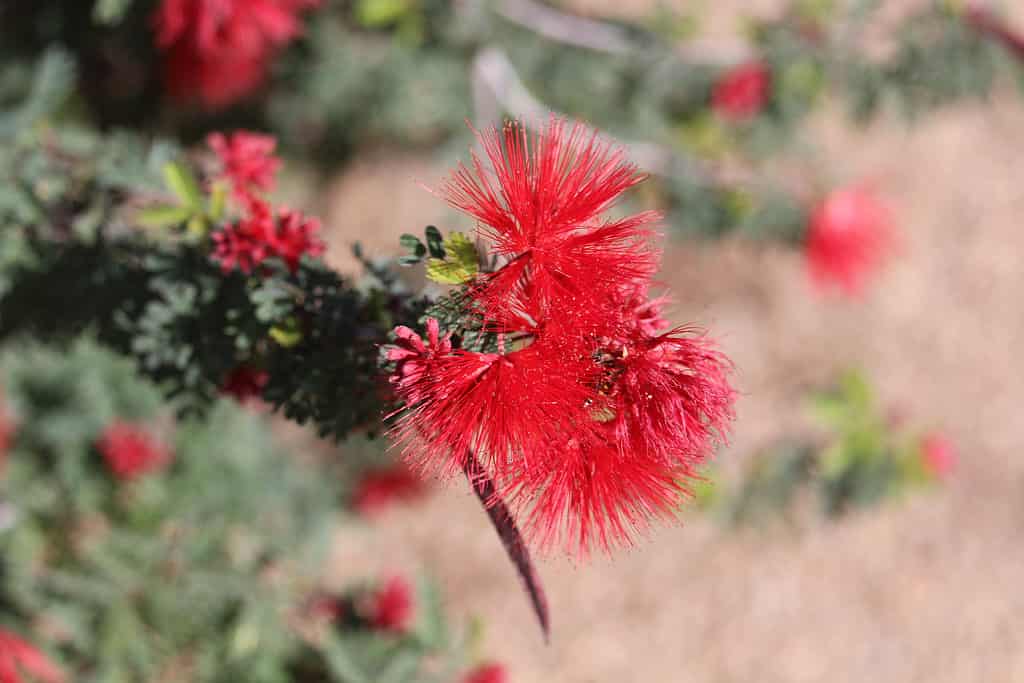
column 849, row 236
column 260, row 235
column 8, row 430
column 18, row 659
column 379, row 489
column 742, row 91
column 247, row 160
column 587, row 416
column 938, row 455
column 130, row 451
column 245, row 383
column 542, row 210
column 392, row 606
column 487, row 673
column 295, row 235
column 219, row 51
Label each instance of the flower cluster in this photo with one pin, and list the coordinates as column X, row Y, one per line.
column 849, row 236
column 245, row 383
column 938, row 455
column 249, row 166
column 586, row 412
column 379, row 489
column 487, row 673
column 219, row 51
column 130, row 451
column 392, row 606
column 742, row 91
column 19, row 659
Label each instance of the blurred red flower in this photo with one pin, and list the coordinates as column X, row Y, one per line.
column 588, row 418
column 742, row 91
column 849, row 236
column 247, row 160
column 392, row 606
column 245, row 383
column 219, row 51
column 245, row 243
column 295, row 235
column 487, row 673
column 130, row 451
column 19, row 659
column 8, row 429
column 938, row 455
column 261, row 235
column 380, row 489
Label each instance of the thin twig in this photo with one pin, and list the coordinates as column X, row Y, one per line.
column 602, row 36
column 511, row 539
column 493, row 70
column 985, row 22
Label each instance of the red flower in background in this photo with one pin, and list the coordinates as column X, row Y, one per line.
column 849, row 236
column 487, row 673
column 588, row 420
column 380, row 489
column 295, row 235
column 260, row 235
column 219, row 51
column 742, row 91
column 392, row 606
column 246, row 243
column 938, row 455
column 21, row 662
column 131, row 451
column 8, row 429
column 245, row 383
column 247, row 160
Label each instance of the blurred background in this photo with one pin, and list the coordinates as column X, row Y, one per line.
column 864, row 519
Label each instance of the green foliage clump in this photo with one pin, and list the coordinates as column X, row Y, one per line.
column 864, row 460
column 201, row 571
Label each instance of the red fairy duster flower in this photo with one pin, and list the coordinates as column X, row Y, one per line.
column 21, row 662
column 220, row 50
column 542, row 211
column 742, row 91
column 245, row 383
column 380, row 489
column 411, row 354
column 938, row 455
column 587, row 418
column 392, row 606
column 131, row 451
column 487, row 673
column 247, row 160
column 849, row 236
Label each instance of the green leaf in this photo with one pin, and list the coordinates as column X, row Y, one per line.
column 461, row 265
column 163, row 216
column 184, row 186
column 218, row 200
column 110, row 12
column 379, row 13
column 341, row 662
column 287, row 334
column 434, row 242
column 416, row 250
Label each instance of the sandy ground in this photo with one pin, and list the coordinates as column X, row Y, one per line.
column 928, row 589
